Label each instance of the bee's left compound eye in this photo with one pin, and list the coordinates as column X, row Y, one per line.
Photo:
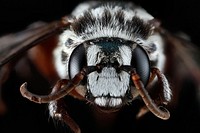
column 77, row 61
column 140, row 61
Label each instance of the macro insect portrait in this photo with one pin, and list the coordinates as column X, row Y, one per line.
column 107, row 66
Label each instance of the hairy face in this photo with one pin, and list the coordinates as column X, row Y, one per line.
column 108, row 86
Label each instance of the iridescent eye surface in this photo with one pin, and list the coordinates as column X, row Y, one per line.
column 140, row 61
column 77, row 61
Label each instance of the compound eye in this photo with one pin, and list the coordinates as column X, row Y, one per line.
column 140, row 61
column 77, row 61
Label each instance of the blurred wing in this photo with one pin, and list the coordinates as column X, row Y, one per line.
column 187, row 52
column 13, row 45
column 185, row 62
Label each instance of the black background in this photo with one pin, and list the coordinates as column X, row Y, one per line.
column 15, row 15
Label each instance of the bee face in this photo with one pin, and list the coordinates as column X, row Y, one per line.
column 109, row 62
column 105, row 36
column 108, row 85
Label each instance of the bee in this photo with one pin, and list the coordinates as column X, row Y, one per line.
column 107, row 55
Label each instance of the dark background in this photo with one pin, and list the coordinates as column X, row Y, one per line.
column 25, row 116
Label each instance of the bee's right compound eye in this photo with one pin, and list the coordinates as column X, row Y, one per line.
column 77, row 61
column 140, row 61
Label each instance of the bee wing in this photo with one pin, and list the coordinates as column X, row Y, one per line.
column 184, row 62
column 187, row 52
column 13, row 45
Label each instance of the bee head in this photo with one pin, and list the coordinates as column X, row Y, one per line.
column 108, row 62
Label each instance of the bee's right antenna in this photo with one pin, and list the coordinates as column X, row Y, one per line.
column 63, row 86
